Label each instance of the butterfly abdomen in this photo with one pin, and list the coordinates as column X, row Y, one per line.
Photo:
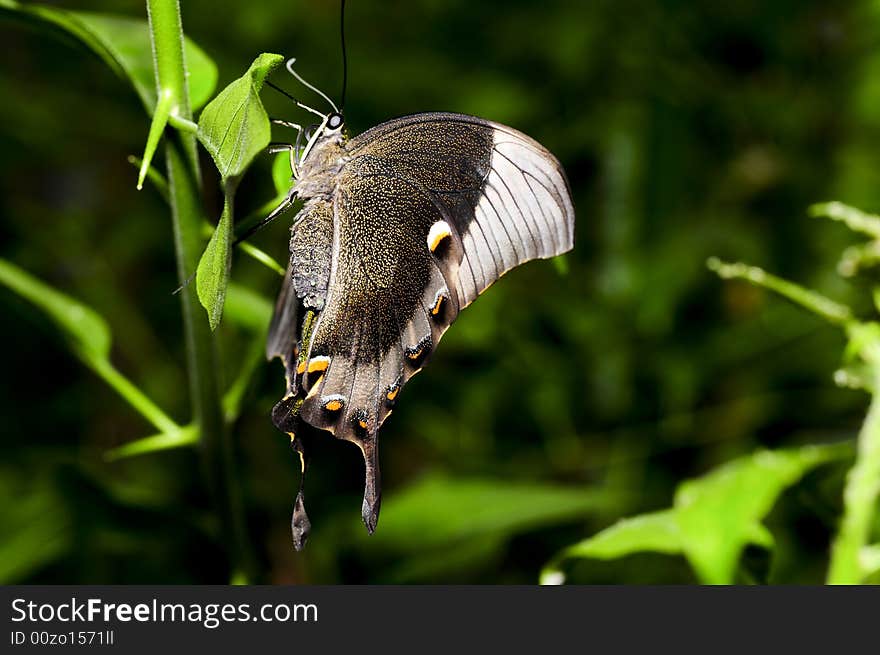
column 311, row 247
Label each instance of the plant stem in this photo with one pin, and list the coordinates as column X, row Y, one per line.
column 831, row 311
column 859, row 499
column 854, row 219
column 135, row 397
column 184, row 179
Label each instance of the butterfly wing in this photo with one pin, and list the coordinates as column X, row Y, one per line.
column 506, row 194
column 388, row 303
column 427, row 212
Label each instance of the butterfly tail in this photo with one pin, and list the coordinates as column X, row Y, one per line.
column 300, row 525
column 372, row 482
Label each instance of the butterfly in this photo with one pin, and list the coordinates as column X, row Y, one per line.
column 403, row 226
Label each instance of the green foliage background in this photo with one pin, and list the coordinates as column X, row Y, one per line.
column 565, row 398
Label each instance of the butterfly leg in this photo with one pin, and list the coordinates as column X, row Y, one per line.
column 294, row 126
column 275, row 148
column 286, row 204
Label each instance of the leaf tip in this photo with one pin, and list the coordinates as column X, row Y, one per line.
column 214, row 320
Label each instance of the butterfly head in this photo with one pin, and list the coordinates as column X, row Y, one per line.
column 321, row 159
column 333, row 124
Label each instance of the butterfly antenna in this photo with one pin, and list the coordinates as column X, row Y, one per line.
column 295, row 101
column 290, row 69
column 344, row 57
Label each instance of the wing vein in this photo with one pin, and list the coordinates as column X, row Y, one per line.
column 548, row 224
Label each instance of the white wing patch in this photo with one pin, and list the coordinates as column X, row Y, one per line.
column 525, row 212
column 438, row 232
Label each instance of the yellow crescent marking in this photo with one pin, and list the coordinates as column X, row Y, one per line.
column 292, row 436
column 414, row 354
column 438, row 232
column 301, row 367
column 319, row 364
column 333, row 405
column 363, row 424
column 391, row 395
column 438, row 305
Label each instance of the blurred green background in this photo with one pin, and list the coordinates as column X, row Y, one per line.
column 561, row 400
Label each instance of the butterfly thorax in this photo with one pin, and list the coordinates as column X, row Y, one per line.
column 312, row 233
column 319, row 171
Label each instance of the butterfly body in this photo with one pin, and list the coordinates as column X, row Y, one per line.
column 403, row 226
column 318, row 172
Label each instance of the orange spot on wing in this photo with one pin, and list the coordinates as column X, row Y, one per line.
column 318, row 364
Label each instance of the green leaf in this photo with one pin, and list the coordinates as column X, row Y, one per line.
column 719, row 513
column 124, row 45
column 712, row 519
column 658, row 532
column 86, row 332
column 185, row 436
column 212, row 274
column 157, row 129
column 282, row 176
column 436, row 511
column 87, row 335
column 154, row 176
column 234, row 127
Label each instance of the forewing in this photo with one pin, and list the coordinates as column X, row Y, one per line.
column 506, row 195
